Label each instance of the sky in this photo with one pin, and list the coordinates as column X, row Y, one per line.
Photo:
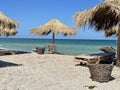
column 34, row 13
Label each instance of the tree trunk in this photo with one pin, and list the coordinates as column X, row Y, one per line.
column 118, row 48
column 53, row 38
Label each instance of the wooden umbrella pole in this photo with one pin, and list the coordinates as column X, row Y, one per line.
column 53, row 38
column 118, row 48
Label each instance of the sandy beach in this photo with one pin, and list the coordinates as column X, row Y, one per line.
column 33, row 71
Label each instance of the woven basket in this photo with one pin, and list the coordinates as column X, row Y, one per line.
column 100, row 72
column 40, row 50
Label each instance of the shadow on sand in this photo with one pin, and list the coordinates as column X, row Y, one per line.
column 8, row 64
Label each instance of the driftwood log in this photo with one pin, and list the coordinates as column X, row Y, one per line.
column 11, row 52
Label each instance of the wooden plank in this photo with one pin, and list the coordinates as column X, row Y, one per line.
column 93, row 58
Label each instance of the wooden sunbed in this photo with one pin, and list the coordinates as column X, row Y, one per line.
column 93, row 58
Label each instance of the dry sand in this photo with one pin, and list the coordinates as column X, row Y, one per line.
column 49, row 72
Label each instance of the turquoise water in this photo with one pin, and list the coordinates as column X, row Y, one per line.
column 65, row 46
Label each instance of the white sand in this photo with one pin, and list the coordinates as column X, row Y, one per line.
column 50, row 72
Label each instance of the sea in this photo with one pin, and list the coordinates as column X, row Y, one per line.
column 64, row 46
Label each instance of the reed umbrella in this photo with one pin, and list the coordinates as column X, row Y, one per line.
column 53, row 26
column 105, row 16
column 7, row 25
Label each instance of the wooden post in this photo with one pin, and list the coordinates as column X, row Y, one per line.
column 53, row 38
column 118, row 48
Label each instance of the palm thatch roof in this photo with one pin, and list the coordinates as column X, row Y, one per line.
column 103, row 16
column 83, row 17
column 7, row 25
column 111, row 0
column 106, row 15
column 54, row 26
column 111, row 31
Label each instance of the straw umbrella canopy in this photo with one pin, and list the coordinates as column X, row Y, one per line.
column 53, row 26
column 7, row 25
column 104, row 21
column 105, row 16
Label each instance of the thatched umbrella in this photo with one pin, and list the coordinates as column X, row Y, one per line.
column 55, row 27
column 7, row 25
column 105, row 16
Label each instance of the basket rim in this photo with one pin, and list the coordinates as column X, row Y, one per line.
column 99, row 64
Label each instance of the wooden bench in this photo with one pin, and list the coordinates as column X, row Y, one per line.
column 93, row 58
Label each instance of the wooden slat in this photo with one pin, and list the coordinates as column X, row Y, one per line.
column 93, row 58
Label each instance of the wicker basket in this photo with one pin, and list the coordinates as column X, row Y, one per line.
column 100, row 72
column 40, row 50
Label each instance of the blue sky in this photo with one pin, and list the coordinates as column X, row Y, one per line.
column 33, row 13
